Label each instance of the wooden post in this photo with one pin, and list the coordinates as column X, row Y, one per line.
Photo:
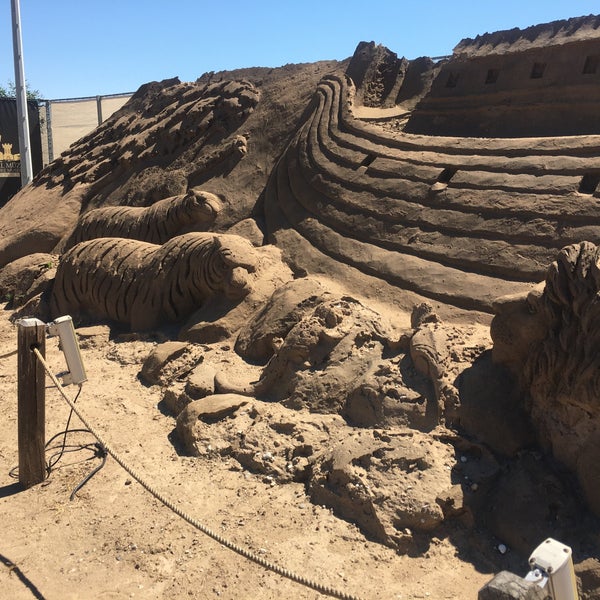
column 31, row 398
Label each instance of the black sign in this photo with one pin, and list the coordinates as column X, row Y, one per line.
column 10, row 157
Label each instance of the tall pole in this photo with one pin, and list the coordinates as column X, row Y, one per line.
column 21, row 93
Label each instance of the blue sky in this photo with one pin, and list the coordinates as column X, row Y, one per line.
column 76, row 48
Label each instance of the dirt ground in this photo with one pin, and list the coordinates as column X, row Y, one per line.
column 114, row 540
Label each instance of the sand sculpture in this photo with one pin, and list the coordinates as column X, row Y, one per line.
column 169, row 138
column 415, row 209
column 143, row 285
column 334, row 355
column 551, row 336
column 428, row 350
column 325, row 341
column 358, row 186
column 156, row 224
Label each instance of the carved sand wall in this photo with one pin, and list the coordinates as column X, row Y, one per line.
column 538, row 81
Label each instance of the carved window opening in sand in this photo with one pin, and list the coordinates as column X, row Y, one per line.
column 589, row 183
column 368, row 160
column 537, row 72
column 452, row 80
column 492, row 76
column 591, row 64
column 446, row 175
column 443, row 179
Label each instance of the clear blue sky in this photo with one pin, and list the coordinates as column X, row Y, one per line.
column 78, row 48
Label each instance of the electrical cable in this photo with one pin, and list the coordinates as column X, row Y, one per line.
column 100, row 453
column 50, row 465
column 69, row 448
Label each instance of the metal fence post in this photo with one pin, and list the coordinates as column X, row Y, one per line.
column 31, row 401
column 49, row 130
column 99, row 109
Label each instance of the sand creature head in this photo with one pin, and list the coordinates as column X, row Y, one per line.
column 202, row 206
column 234, row 260
column 550, row 335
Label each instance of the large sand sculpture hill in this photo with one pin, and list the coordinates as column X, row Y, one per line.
column 319, row 251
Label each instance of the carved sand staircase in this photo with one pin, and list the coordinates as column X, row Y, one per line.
column 459, row 220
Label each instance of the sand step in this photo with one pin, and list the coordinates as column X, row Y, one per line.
column 455, row 219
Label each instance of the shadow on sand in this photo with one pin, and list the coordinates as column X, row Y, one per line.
column 15, row 570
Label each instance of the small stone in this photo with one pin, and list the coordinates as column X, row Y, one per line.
column 463, row 459
column 502, row 548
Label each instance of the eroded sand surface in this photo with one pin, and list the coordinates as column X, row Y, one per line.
column 115, row 541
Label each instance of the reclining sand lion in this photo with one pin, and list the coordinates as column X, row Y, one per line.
column 145, row 285
column 550, row 338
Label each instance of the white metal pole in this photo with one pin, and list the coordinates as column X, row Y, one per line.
column 21, row 93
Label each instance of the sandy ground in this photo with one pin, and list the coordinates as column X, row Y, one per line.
column 114, row 540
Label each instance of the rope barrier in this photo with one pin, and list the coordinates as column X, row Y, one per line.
column 283, row 572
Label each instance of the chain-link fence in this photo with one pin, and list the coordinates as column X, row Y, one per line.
column 53, row 126
column 66, row 120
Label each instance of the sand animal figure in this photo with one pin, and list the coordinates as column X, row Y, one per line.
column 156, row 224
column 146, row 285
column 320, row 358
column 342, row 357
column 429, row 349
column 549, row 338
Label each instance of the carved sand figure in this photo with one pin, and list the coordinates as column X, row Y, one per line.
column 194, row 211
column 550, row 341
column 341, row 357
column 325, row 351
column 429, row 351
column 145, row 285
